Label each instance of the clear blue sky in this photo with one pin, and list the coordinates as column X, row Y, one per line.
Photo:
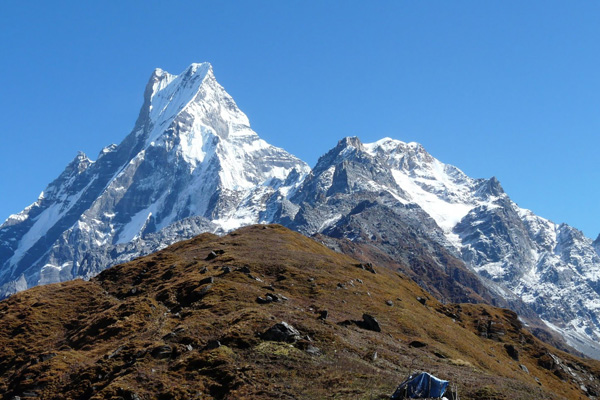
column 498, row 88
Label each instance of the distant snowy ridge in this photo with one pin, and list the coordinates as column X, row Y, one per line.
column 551, row 267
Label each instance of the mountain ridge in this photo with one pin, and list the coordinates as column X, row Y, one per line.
column 265, row 312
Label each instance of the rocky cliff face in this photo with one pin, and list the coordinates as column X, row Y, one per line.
column 192, row 164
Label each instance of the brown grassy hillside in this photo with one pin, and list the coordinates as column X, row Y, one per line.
column 187, row 323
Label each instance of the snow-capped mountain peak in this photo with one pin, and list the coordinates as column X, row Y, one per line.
column 191, row 154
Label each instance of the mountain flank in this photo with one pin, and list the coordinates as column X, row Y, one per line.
column 265, row 312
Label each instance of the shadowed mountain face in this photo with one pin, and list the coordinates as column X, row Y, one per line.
column 192, row 164
column 265, row 312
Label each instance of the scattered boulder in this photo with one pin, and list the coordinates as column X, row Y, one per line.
column 127, row 395
column 214, row 254
column 281, row 332
column 271, row 298
column 244, row 269
column 171, row 335
column 262, row 300
column 203, row 270
column 225, row 270
column 312, row 350
column 547, row 362
column 367, row 267
column 204, row 281
column 389, row 303
column 116, row 352
column 512, row 351
column 202, row 292
column 161, row 352
column 188, row 295
column 212, row 344
column 417, row 344
column 422, row 300
column 524, row 368
column 370, row 323
column 306, row 345
column 46, row 357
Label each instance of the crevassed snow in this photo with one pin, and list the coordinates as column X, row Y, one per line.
column 43, row 222
column 441, row 190
column 444, row 192
column 577, row 338
column 194, row 146
column 14, row 218
column 134, row 227
column 247, row 212
column 446, row 214
column 328, row 222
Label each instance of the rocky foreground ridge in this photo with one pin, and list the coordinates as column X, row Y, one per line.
column 265, row 312
column 192, row 164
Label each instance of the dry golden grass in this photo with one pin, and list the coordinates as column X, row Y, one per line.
column 105, row 339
